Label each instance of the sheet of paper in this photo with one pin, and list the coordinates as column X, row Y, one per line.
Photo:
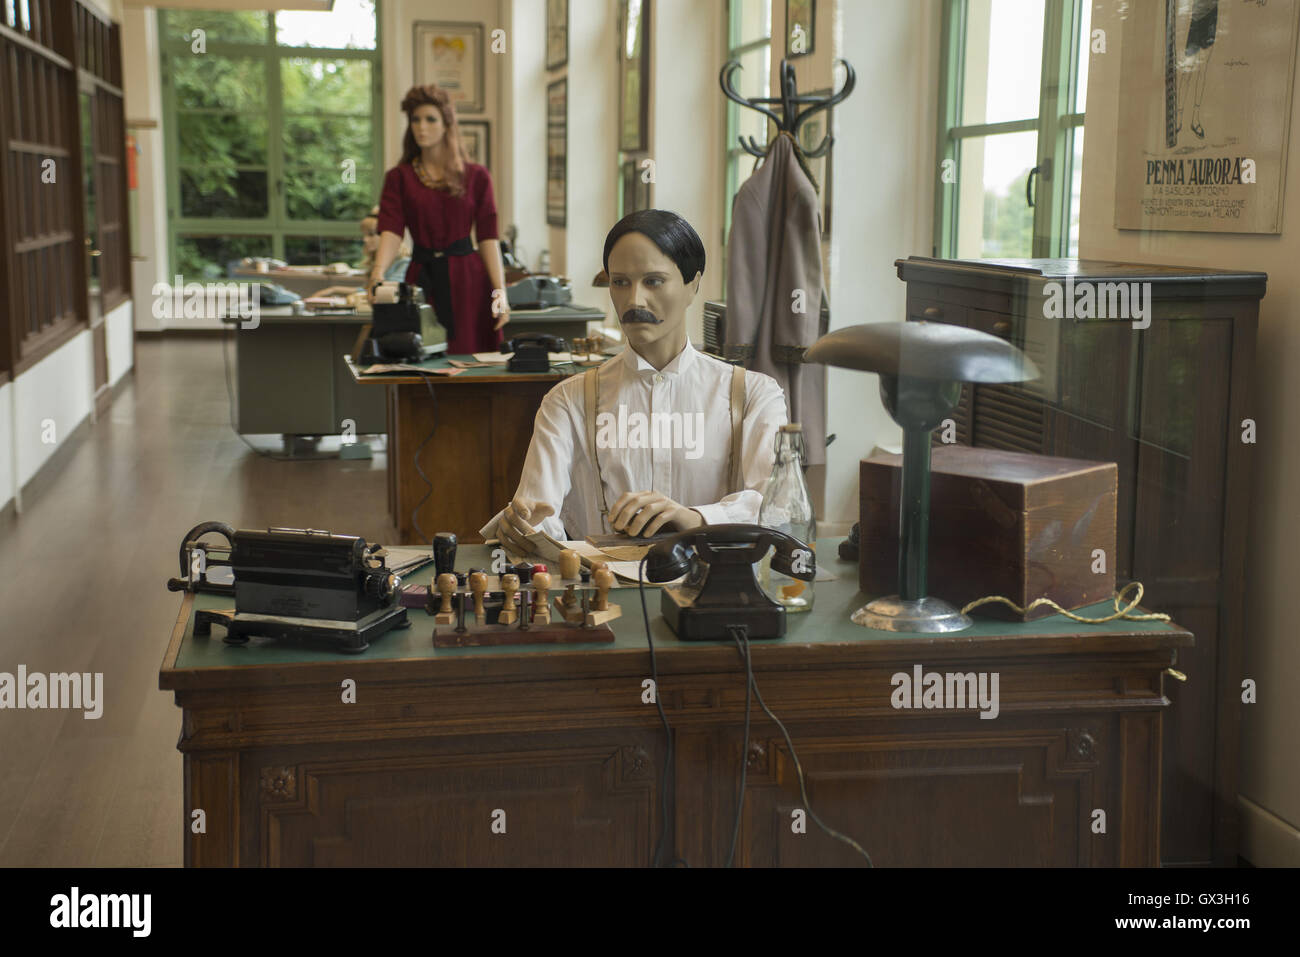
column 629, row 571
column 407, row 367
column 500, row 358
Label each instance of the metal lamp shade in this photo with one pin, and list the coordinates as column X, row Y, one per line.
column 921, row 366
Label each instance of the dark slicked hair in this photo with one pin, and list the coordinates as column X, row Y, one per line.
column 674, row 236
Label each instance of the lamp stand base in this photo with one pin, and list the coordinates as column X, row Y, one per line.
column 922, row 616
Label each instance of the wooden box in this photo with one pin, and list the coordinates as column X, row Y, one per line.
column 1001, row 523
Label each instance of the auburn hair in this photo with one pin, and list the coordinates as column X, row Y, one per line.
column 431, row 95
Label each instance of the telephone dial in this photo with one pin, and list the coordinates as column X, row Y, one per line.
column 720, row 589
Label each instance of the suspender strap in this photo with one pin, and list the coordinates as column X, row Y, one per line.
column 591, row 402
column 737, row 429
column 591, row 399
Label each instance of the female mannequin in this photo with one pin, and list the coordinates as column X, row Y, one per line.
column 438, row 195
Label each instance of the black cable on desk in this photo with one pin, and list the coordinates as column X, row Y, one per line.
column 415, row 512
column 668, row 767
column 739, row 635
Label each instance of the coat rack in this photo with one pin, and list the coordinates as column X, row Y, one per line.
column 791, row 117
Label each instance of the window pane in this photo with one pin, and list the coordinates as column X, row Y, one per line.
column 234, row 84
column 312, row 192
column 1004, row 58
column 239, row 26
column 350, row 25
column 326, row 141
column 750, row 20
column 207, row 257
column 216, row 139
column 322, row 250
column 326, row 86
column 993, row 219
column 1085, row 43
column 1076, row 189
column 223, row 193
column 751, row 80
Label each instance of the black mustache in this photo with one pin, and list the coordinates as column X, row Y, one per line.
column 640, row 315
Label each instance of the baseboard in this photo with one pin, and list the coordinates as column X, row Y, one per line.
column 180, row 333
column 45, row 475
column 1265, row 839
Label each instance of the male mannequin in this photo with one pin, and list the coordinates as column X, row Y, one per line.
column 673, row 469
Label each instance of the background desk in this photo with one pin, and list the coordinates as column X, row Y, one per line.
column 292, row 378
column 558, row 738
column 481, row 422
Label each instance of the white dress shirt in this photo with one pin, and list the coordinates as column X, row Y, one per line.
column 559, row 475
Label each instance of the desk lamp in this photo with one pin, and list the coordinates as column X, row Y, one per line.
column 922, row 366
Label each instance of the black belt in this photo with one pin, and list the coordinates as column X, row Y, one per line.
column 435, row 279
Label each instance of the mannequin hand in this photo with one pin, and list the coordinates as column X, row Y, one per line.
column 501, row 308
column 644, row 513
column 515, row 526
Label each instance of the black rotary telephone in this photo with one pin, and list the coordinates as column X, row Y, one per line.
column 720, row 588
column 532, row 351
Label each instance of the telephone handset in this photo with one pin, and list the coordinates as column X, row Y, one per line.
column 720, row 589
column 532, row 351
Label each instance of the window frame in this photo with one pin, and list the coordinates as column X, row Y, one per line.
column 732, row 152
column 1055, row 125
column 276, row 226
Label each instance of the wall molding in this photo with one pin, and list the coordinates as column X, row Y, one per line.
column 1266, row 839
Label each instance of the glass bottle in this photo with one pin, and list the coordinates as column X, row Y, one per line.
column 787, row 508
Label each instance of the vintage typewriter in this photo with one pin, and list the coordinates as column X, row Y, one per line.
column 293, row 583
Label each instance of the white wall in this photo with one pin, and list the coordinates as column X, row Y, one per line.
column 687, row 118
column 58, row 389
column 142, row 86
column 119, row 339
column 882, row 199
column 8, row 459
column 1270, row 774
column 523, row 108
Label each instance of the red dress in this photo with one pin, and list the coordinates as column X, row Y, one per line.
column 437, row 219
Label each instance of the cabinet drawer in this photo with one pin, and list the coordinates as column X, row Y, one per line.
column 934, row 310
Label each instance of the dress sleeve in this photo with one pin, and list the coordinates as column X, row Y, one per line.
column 392, row 207
column 485, row 214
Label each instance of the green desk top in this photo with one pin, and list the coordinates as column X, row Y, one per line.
column 827, row 624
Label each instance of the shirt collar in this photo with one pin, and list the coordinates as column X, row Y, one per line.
column 681, row 363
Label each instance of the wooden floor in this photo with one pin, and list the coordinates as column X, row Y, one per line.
column 84, row 572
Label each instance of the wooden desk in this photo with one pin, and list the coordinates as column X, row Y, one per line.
column 305, row 282
column 559, row 739
column 481, row 423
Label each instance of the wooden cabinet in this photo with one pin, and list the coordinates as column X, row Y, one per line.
column 1166, row 404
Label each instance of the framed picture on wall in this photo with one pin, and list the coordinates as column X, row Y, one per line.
column 633, row 75
column 450, row 55
column 800, row 27
column 557, row 33
column 476, row 137
column 811, row 133
column 557, row 156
